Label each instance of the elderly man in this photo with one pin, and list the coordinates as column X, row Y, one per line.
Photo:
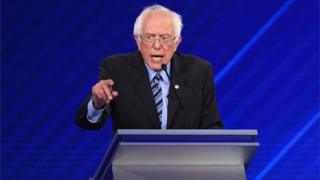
column 155, row 87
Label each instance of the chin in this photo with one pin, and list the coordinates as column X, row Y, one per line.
column 156, row 67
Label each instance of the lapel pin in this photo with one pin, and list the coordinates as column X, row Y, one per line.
column 176, row 86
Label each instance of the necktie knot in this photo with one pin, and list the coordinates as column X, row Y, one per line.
column 157, row 77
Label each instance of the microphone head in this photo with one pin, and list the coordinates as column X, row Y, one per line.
column 164, row 67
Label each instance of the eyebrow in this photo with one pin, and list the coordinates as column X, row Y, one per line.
column 156, row 34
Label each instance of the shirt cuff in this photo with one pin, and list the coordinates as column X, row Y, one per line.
column 93, row 114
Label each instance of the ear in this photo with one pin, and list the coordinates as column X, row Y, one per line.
column 177, row 43
column 137, row 39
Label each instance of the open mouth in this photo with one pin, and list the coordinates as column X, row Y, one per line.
column 156, row 57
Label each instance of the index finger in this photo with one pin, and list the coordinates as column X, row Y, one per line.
column 108, row 82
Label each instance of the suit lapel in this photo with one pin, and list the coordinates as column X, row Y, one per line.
column 177, row 77
column 139, row 75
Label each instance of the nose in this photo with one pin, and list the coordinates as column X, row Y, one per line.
column 157, row 44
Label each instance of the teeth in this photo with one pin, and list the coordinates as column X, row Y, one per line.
column 157, row 59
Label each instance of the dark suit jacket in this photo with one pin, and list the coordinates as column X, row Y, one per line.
column 134, row 108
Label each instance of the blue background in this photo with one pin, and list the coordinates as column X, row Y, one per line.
column 265, row 55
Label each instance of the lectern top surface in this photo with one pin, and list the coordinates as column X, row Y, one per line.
column 187, row 132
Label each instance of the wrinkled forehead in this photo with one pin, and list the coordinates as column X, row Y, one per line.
column 158, row 22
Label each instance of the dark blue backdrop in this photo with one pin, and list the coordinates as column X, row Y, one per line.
column 265, row 55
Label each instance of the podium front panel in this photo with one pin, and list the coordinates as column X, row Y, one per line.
column 184, row 153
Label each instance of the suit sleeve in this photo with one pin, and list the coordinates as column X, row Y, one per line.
column 210, row 116
column 81, row 116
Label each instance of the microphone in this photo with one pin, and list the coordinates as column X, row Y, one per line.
column 164, row 68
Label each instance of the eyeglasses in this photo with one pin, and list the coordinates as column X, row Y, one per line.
column 164, row 38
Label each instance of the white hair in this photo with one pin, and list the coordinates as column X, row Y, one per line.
column 177, row 20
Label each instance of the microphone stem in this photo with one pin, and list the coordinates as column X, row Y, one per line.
column 164, row 68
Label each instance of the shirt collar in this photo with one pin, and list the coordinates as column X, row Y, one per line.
column 152, row 73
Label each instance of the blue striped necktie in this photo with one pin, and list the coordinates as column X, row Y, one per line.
column 157, row 94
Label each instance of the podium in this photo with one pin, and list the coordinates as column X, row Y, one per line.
column 178, row 154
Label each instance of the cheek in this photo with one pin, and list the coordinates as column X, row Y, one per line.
column 169, row 52
column 145, row 54
column 144, row 50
